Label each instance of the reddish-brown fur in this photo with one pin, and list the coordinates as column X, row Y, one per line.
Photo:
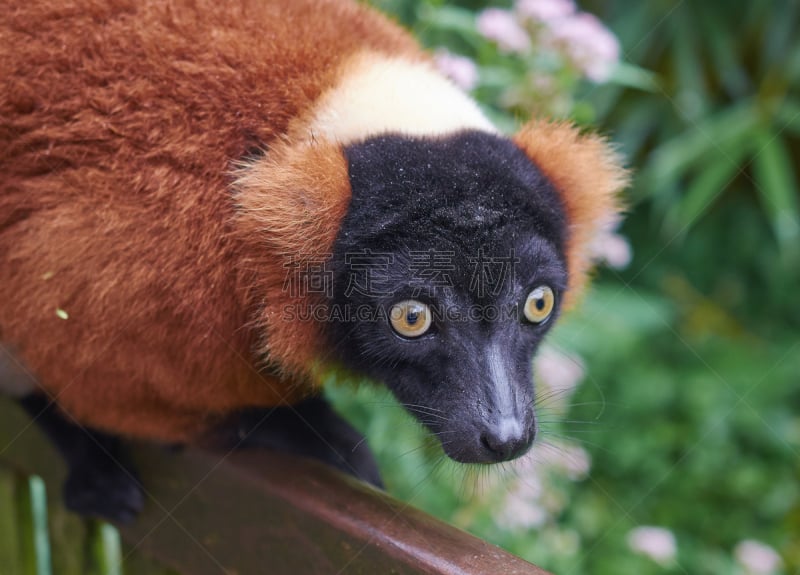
column 121, row 123
column 292, row 204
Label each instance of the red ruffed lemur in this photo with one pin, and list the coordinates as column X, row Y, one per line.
column 183, row 187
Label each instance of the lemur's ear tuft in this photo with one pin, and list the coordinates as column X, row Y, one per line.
column 295, row 196
column 290, row 206
column 588, row 175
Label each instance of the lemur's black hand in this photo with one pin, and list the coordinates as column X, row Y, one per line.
column 310, row 429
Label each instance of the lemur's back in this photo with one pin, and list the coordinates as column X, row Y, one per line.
column 119, row 125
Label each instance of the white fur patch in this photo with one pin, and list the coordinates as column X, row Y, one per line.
column 502, row 390
column 379, row 94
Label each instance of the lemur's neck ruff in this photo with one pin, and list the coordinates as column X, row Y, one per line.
column 378, row 95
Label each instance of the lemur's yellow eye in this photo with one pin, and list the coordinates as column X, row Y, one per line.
column 410, row 318
column 539, row 304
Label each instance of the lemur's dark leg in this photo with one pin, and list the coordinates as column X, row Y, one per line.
column 311, row 429
column 101, row 482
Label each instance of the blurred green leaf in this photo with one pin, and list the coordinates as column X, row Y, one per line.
column 497, row 77
column 449, row 18
column 788, row 117
column 728, row 129
column 703, row 190
column 777, row 187
column 631, row 76
column 691, row 94
column 723, row 51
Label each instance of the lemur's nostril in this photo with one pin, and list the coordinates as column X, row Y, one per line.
column 506, row 440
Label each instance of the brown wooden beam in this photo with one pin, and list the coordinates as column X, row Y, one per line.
column 254, row 512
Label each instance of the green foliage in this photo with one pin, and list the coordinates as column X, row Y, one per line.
column 690, row 407
column 717, row 144
column 697, row 434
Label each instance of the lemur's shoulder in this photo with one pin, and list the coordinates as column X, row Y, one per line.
column 120, row 124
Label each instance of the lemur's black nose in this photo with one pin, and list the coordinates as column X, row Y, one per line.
column 507, row 439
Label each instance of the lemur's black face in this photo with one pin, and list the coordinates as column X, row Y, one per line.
column 448, row 271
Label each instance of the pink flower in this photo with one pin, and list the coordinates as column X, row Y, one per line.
column 757, row 558
column 656, row 543
column 501, row 27
column 521, row 507
column 572, row 460
column 589, row 43
column 545, row 10
column 559, row 371
column 460, row 69
column 613, row 249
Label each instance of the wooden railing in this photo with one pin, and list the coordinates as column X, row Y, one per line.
column 254, row 512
